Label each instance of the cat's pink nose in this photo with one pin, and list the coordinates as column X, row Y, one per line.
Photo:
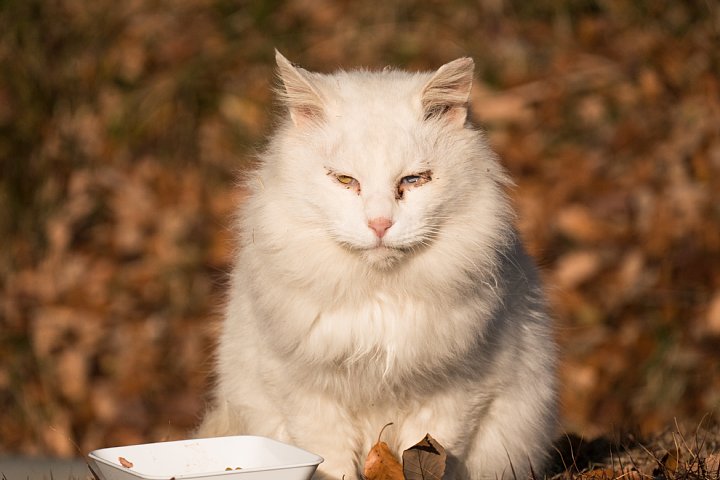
column 380, row 225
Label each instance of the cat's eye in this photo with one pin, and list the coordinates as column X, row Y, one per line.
column 412, row 181
column 345, row 179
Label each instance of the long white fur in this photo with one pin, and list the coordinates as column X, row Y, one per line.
column 442, row 329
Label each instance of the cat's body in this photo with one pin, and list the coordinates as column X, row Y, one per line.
column 380, row 280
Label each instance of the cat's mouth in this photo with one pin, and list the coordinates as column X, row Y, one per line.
column 383, row 252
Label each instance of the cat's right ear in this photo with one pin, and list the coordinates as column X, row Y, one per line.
column 298, row 93
column 447, row 94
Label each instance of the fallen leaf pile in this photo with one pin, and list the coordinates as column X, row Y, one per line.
column 671, row 456
column 124, row 125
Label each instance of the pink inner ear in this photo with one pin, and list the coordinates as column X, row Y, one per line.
column 299, row 92
column 446, row 94
column 303, row 114
column 456, row 114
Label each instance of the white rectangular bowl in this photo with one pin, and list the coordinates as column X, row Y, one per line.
column 259, row 458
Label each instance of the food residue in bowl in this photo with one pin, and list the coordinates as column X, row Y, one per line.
column 125, row 462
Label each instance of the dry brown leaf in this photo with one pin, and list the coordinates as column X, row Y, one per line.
column 598, row 474
column 425, row 460
column 381, row 463
column 576, row 267
column 712, row 463
column 670, row 463
column 711, row 323
column 668, row 466
column 631, row 474
column 610, row 473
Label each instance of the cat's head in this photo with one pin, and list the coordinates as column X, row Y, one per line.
column 383, row 164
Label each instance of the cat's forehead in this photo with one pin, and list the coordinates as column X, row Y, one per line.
column 392, row 80
column 373, row 120
column 374, row 95
column 370, row 148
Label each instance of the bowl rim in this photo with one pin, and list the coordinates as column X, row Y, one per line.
column 314, row 460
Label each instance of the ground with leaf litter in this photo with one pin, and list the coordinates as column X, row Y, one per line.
column 672, row 455
column 124, row 126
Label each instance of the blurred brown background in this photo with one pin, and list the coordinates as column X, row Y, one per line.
column 124, row 127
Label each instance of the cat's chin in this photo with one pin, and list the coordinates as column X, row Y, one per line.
column 382, row 257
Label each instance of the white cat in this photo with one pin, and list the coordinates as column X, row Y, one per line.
column 380, row 279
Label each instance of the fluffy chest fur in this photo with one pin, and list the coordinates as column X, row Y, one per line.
column 386, row 333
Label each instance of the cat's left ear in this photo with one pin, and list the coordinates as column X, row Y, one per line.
column 299, row 94
column 447, row 94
